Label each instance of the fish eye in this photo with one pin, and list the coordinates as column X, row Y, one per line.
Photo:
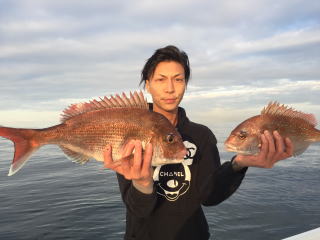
column 242, row 135
column 170, row 138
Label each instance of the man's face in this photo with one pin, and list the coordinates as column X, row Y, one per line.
column 167, row 86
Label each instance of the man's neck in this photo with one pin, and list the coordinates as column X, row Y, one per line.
column 172, row 116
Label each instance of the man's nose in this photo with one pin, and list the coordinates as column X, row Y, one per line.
column 170, row 86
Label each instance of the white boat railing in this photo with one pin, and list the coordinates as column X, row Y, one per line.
column 309, row 235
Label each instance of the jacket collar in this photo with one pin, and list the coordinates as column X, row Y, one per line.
column 182, row 116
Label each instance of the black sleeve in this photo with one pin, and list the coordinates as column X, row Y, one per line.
column 139, row 204
column 216, row 182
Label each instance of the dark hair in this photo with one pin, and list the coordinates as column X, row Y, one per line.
column 166, row 54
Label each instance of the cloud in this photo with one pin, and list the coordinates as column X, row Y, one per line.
column 28, row 118
column 283, row 40
column 205, row 105
column 236, row 103
column 55, row 51
column 276, row 88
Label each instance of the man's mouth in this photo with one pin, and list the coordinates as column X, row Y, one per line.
column 169, row 100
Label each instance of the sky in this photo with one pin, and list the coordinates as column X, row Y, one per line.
column 243, row 54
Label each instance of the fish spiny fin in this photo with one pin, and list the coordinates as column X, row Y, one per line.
column 136, row 100
column 75, row 156
column 274, row 108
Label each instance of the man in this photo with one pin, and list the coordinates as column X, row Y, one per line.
column 165, row 202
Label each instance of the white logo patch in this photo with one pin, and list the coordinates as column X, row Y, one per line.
column 173, row 180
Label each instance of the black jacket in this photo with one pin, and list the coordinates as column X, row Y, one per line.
column 173, row 211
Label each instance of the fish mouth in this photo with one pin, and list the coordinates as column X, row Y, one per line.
column 181, row 154
column 177, row 158
column 231, row 148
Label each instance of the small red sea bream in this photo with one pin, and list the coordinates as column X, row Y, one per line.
column 87, row 128
column 298, row 126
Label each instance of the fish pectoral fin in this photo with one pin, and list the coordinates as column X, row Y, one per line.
column 299, row 150
column 75, row 156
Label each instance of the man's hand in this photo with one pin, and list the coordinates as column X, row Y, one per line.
column 273, row 149
column 138, row 169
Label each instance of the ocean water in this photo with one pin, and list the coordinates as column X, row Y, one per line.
column 53, row 198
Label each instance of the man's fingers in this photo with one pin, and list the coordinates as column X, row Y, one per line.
column 262, row 160
column 279, row 142
column 264, row 146
column 108, row 161
column 147, row 158
column 289, row 146
column 137, row 159
column 128, row 148
column 273, row 148
column 115, row 166
column 125, row 161
column 126, row 168
column 137, row 167
column 107, row 156
column 271, row 145
column 281, row 148
column 284, row 147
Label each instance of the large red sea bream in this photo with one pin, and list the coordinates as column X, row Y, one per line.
column 87, row 128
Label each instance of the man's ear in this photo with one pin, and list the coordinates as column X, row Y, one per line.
column 147, row 86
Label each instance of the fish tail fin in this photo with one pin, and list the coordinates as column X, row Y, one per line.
column 24, row 145
column 318, row 136
column 315, row 137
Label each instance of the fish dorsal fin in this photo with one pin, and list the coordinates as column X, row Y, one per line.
column 277, row 109
column 136, row 100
